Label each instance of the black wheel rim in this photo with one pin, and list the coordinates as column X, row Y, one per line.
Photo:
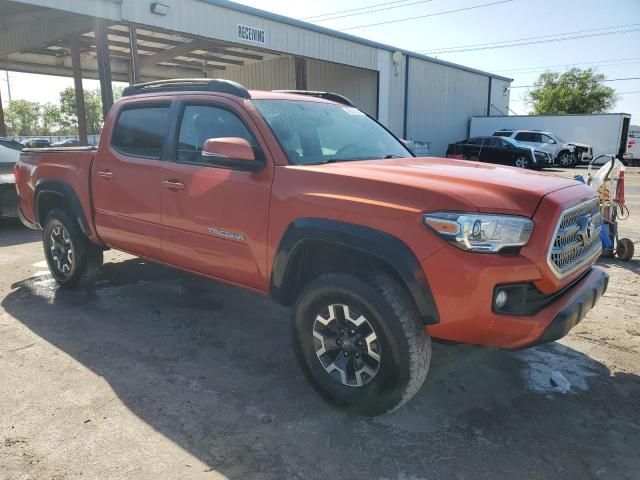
column 61, row 250
column 346, row 345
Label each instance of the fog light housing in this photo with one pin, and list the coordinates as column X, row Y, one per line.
column 501, row 299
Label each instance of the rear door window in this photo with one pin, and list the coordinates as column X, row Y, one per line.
column 140, row 131
column 528, row 137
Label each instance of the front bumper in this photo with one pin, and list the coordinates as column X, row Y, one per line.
column 463, row 286
column 589, row 292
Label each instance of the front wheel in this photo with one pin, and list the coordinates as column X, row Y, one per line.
column 522, row 161
column 360, row 344
column 566, row 160
column 71, row 258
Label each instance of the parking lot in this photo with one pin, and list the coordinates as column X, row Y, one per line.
column 155, row 373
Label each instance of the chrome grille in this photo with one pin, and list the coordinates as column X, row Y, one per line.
column 574, row 244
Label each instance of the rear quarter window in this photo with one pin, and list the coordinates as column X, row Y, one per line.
column 140, row 131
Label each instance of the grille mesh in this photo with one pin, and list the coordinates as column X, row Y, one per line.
column 570, row 248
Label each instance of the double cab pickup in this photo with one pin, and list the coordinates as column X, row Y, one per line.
column 303, row 197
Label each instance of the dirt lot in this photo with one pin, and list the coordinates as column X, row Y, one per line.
column 159, row 374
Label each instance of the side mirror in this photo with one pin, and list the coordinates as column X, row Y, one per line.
column 228, row 148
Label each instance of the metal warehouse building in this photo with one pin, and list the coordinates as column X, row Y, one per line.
column 419, row 98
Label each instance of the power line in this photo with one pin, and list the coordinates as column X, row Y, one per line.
column 429, row 15
column 371, row 11
column 353, row 9
column 623, row 61
column 606, row 80
column 456, row 47
column 627, row 93
column 576, row 37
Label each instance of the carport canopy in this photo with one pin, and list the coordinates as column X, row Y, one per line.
column 48, row 41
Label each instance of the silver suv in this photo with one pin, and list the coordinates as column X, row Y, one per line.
column 565, row 154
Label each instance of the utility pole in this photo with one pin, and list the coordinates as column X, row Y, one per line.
column 3, row 126
column 6, row 72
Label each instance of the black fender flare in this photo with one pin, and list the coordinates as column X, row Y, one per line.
column 381, row 245
column 66, row 191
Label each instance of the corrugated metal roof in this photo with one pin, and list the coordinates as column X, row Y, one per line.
column 345, row 36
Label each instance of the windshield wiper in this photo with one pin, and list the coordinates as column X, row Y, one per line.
column 386, row 157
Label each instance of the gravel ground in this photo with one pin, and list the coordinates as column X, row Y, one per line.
column 155, row 373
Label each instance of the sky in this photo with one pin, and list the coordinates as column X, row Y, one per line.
column 614, row 55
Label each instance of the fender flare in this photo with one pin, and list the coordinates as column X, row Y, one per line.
column 66, row 191
column 381, row 245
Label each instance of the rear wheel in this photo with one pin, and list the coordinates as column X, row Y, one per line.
column 360, row 344
column 71, row 258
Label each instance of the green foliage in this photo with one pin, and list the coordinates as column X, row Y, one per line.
column 21, row 117
column 31, row 118
column 574, row 91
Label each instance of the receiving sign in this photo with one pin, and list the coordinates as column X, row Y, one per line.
column 251, row 34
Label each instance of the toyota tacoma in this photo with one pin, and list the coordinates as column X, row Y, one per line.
column 303, row 197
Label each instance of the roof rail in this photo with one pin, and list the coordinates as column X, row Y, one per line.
column 334, row 97
column 189, row 84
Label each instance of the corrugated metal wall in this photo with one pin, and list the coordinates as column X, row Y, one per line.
column 357, row 84
column 200, row 18
column 499, row 97
column 275, row 74
column 441, row 102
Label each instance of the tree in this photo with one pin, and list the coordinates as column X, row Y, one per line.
column 574, row 91
column 21, row 117
column 50, row 119
column 93, row 108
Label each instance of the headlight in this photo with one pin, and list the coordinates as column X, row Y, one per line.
column 480, row 232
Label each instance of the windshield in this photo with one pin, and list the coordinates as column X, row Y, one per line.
column 313, row 132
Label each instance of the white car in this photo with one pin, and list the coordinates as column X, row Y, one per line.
column 9, row 153
column 566, row 154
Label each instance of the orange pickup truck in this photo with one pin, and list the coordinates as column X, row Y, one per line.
column 303, row 197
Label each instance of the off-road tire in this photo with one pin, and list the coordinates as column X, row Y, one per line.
column 87, row 258
column 405, row 347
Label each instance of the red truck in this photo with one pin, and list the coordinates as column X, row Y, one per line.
column 301, row 196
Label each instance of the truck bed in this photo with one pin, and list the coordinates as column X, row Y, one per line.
column 67, row 165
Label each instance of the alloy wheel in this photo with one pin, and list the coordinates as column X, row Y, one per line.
column 565, row 160
column 522, row 162
column 61, row 250
column 346, row 345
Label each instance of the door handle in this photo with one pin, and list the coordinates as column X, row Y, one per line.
column 105, row 174
column 173, row 185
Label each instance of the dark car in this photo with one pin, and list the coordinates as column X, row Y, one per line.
column 70, row 142
column 504, row 151
column 37, row 143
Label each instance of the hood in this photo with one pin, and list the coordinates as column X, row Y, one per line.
column 576, row 144
column 483, row 187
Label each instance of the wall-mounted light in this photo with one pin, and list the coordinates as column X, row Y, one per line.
column 159, row 8
column 396, row 58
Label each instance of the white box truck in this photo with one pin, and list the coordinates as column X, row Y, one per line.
column 606, row 133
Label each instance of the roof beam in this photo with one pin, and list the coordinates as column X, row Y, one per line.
column 212, row 45
column 170, row 53
column 90, row 41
